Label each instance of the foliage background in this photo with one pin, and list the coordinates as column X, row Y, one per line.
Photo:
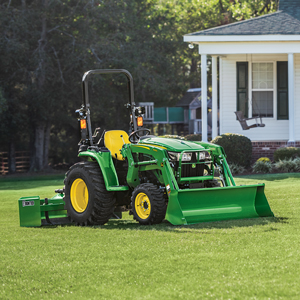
column 47, row 45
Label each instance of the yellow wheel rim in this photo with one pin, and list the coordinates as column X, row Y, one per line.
column 142, row 205
column 79, row 195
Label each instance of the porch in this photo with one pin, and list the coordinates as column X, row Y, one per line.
column 239, row 53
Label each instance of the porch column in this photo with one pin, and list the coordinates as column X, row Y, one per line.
column 214, row 98
column 291, row 88
column 204, row 96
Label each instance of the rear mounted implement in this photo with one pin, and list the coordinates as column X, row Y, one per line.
column 34, row 211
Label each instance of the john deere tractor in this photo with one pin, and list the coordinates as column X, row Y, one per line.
column 155, row 178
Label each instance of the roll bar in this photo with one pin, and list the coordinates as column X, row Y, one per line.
column 85, row 94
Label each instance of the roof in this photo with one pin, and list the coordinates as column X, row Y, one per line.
column 192, row 99
column 197, row 103
column 291, row 7
column 188, row 97
column 286, row 21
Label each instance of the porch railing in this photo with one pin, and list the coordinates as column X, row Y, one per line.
column 195, row 127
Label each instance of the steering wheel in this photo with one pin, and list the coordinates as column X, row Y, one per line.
column 134, row 135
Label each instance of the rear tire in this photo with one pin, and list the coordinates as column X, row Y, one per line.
column 148, row 204
column 86, row 199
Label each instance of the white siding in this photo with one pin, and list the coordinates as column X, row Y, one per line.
column 274, row 129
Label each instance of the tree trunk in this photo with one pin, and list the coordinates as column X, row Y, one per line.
column 37, row 161
column 12, row 157
column 194, row 69
column 37, row 154
column 39, row 146
column 46, row 144
column 32, row 148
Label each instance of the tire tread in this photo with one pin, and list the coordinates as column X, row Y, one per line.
column 103, row 202
column 158, row 205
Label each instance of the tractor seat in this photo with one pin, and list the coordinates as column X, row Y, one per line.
column 114, row 142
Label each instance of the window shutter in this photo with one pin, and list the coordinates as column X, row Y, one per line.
column 282, row 91
column 242, row 87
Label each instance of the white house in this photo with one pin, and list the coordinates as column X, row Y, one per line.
column 259, row 74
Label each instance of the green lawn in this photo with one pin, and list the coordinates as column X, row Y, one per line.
column 240, row 259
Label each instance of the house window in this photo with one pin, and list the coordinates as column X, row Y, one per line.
column 268, row 89
column 262, row 89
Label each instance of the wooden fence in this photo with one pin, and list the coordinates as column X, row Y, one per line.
column 22, row 162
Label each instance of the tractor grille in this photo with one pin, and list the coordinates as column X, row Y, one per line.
column 188, row 171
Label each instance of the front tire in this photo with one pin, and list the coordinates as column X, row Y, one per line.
column 86, row 199
column 148, row 204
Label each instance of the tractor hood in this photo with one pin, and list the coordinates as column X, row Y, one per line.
column 170, row 144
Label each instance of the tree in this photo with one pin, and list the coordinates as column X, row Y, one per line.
column 40, row 46
column 46, row 46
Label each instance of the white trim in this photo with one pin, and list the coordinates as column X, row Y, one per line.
column 221, row 94
column 204, row 96
column 291, row 86
column 250, row 87
column 275, row 90
column 214, row 98
column 240, row 38
column 219, row 48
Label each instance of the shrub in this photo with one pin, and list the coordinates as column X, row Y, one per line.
column 297, row 162
column 262, row 167
column 288, row 165
column 236, row 169
column 264, row 159
column 193, row 137
column 285, row 153
column 238, row 148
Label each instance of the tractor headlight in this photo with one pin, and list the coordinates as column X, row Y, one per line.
column 186, row 156
column 202, row 155
column 174, row 156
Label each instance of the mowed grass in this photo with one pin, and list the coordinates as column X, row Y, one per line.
column 239, row 259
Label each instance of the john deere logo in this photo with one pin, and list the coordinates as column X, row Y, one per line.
column 193, row 166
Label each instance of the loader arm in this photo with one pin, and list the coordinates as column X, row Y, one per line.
column 220, row 159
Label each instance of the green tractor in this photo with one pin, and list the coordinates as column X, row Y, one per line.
column 155, row 178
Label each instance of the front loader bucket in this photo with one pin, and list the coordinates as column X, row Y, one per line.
column 215, row 204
